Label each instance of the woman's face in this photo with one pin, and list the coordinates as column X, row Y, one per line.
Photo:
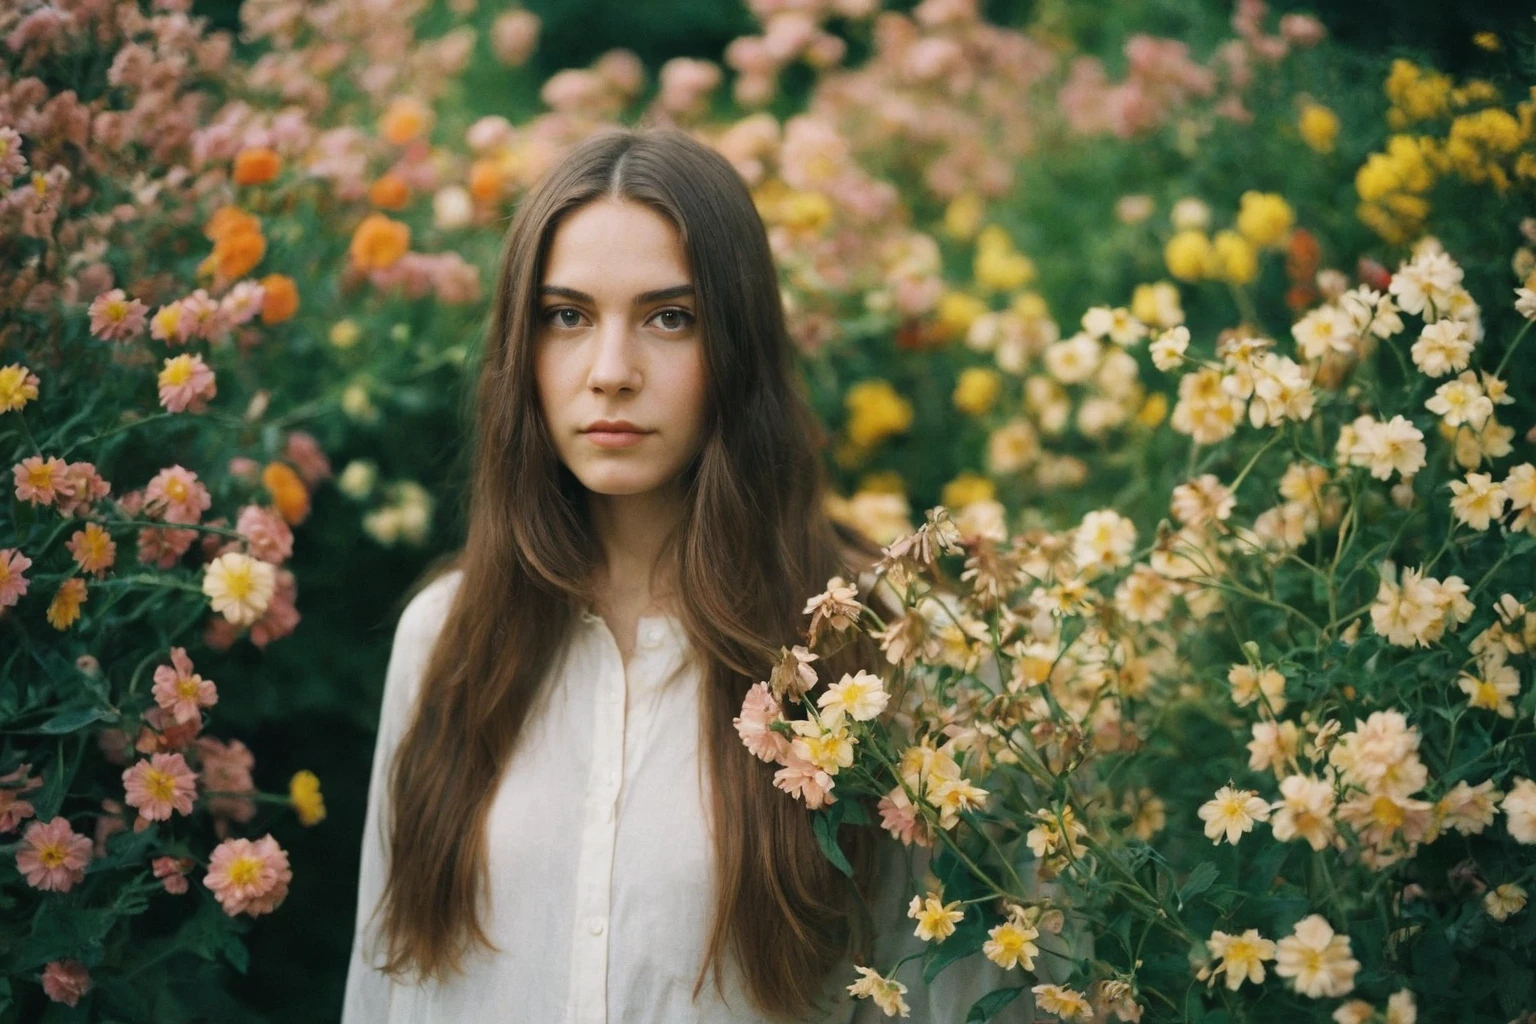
column 617, row 339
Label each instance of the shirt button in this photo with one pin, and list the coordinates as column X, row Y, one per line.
column 651, row 636
column 595, row 925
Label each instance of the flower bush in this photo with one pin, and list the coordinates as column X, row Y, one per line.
column 1221, row 561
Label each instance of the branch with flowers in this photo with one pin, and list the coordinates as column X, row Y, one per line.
column 1331, row 630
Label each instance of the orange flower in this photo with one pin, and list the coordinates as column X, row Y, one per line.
column 389, row 192
column 485, row 181
column 287, row 490
column 235, row 254
column 256, row 165
column 279, row 298
column 228, row 220
column 64, row 609
column 406, row 119
column 379, row 242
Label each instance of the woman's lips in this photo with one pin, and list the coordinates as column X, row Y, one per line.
column 615, row 438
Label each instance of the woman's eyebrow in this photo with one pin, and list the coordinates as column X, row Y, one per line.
column 673, row 292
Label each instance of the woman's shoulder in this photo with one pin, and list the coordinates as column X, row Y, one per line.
column 426, row 609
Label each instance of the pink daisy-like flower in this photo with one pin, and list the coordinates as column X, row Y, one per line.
column 242, row 302
column 754, row 725
column 176, row 495
column 160, row 733
column 80, row 487
column 163, row 547
column 205, row 318
column 53, row 856
column 116, row 317
column 901, row 820
column 171, row 324
column 12, row 160
column 186, row 382
column 226, row 768
column 13, row 581
column 93, row 549
column 249, row 877
column 304, row 452
column 65, row 981
column 172, row 872
column 38, row 479
column 108, row 823
column 13, row 785
column 159, row 786
column 804, row 779
column 266, row 534
column 181, row 691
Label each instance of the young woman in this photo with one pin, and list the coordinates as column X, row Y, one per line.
column 563, row 824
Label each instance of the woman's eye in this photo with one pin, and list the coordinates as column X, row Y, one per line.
column 684, row 318
column 556, row 315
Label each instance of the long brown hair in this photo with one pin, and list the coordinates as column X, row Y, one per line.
column 752, row 545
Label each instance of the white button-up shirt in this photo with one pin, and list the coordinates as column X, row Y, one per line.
column 601, row 865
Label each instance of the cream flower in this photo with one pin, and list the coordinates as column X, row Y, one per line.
column 935, row 919
column 1304, row 811
column 1519, row 809
column 1444, row 346
column 1242, row 956
column 1504, row 901
column 861, row 696
column 239, row 587
column 1012, row 943
column 1065, row 1003
column 1317, row 961
column 1232, row 812
column 1492, row 688
column 1477, row 501
column 885, row 992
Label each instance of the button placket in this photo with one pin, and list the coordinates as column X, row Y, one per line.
column 594, row 880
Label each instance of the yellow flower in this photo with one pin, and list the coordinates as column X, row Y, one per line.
column 876, row 411
column 1487, row 41
column 1319, row 127
column 64, row 609
column 1012, row 942
column 963, row 216
column 18, row 386
column 885, row 481
column 805, row 211
column 1186, row 254
column 1233, row 258
column 1157, row 303
column 344, row 333
column 965, row 489
column 1242, row 956
column 304, row 795
column 956, row 312
column 1030, row 306
column 1001, row 269
column 935, row 919
column 1152, row 410
column 1264, row 218
column 977, row 389
column 1416, row 94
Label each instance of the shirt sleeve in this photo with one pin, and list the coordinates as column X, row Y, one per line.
column 369, row 991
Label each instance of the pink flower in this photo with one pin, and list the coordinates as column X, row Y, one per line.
column 109, row 822
column 202, row 315
column 171, row 324
column 52, row 855
column 302, row 450
column 805, row 780
column 181, row 691
column 176, row 495
column 12, row 161
column 164, row 547
column 186, row 382
column 282, row 614
column 226, row 768
column 249, row 877
column 38, row 479
column 116, row 317
column 172, row 872
column 13, row 809
column 900, row 819
column 80, row 487
column 65, row 981
column 13, row 584
column 242, row 302
column 159, row 786
column 758, row 712
column 266, row 534
column 159, row 732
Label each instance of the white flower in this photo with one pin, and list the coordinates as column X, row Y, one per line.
column 1504, row 901
column 1317, row 961
column 1428, row 280
column 885, row 992
column 860, row 696
column 1444, row 346
column 1383, row 448
column 1519, row 808
column 1461, row 401
column 239, row 587
column 1525, row 303
column 1104, row 539
column 1477, row 501
column 1169, row 348
column 1325, row 329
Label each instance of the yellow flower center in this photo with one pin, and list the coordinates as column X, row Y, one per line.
column 161, row 785
column 52, row 855
column 245, row 871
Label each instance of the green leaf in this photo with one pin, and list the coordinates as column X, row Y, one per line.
column 69, row 719
column 964, row 942
column 825, row 825
column 1198, row 881
column 983, row 1008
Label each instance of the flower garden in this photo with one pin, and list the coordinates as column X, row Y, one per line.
column 1179, row 362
